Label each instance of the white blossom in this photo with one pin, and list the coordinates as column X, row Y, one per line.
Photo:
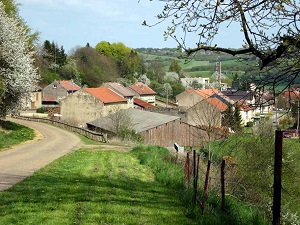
column 17, row 74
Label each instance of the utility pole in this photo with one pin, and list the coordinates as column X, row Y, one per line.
column 298, row 118
column 277, row 186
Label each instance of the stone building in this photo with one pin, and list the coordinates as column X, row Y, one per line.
column 89, row 104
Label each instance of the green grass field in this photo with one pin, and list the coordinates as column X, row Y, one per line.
column 143, row 186
column 92, row 187
column 12, row 134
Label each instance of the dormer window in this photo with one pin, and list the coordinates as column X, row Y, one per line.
column 54, row 86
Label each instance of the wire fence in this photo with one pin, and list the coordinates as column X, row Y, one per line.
column 251, row 183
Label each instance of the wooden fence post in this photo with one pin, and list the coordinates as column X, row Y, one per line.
column 277, row 177
column 223, row 185
column 205, row 186
column 196, row 179
column 195, row 175
column 187, row 169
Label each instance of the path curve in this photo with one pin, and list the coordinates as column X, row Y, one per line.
column 23, row 160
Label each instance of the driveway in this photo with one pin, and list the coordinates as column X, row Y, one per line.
column 23, row 160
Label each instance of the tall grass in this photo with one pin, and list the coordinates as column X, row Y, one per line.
column 172, row 175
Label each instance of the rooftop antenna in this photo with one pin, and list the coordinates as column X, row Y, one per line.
column 218, row 71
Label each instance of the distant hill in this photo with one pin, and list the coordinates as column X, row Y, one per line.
column 202, row 64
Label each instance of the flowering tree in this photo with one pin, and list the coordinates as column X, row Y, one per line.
column 18, row 77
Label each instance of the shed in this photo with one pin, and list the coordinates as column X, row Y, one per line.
column 155, row 128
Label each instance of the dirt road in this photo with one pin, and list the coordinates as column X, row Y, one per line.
column 23, row 160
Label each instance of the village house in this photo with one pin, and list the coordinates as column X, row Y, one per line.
column 89, row 104
column 188, row 82
column 121, row 90
column 241, row 97
column 34, row 101
column 247, row 114
column 56, row 91
column 155, row 128
column 190, row 97
column 290, row 96
column 143, row 92
column 207, row 113
column 140, row 104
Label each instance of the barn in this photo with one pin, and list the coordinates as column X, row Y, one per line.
column 155, row 128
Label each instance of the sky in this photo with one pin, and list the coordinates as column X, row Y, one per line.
column 74, row 23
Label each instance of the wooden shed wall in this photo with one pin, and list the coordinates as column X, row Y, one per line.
column 175, row 131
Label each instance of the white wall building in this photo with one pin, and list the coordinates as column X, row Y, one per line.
column 187, row 82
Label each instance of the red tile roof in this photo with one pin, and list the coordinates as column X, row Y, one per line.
column 105, row 95
column 69, row 85
column 142, row 89
column 292, row 94
column 143, row 104
column 49, row 99
column 205, row 93
column 217, row 103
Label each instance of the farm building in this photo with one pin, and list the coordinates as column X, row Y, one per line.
column 155, row 128
column 90, row 103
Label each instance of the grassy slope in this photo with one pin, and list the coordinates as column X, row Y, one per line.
column 12, row 134
column 92, row 187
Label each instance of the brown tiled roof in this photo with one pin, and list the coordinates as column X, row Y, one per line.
column 292, row 94
column 105, row 95
column 217, row 103
column 143, row 104
column 142, row 89
column 69, row 85
column 49, row 99
column 205, row 93
column 125, row 92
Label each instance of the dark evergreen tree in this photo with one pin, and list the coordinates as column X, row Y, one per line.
column 237, row 119
column 228, row 119
column 53, row 54
column 235, row 82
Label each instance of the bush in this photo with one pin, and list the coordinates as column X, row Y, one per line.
column 42, row 110
column 249, row 124
column 129, row 135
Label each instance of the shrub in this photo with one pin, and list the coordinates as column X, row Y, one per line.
column 249, row 124
column 42, row 110
column 129, row 135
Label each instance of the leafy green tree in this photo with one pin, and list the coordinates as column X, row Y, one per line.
column 70, row 71
column 177, row 88
column 95, row 69
column 196, row 85
column 154, row 85
column 132, row 65
column 127, row 59
column 232, row 118
column 175, row 67
column 155, row 71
